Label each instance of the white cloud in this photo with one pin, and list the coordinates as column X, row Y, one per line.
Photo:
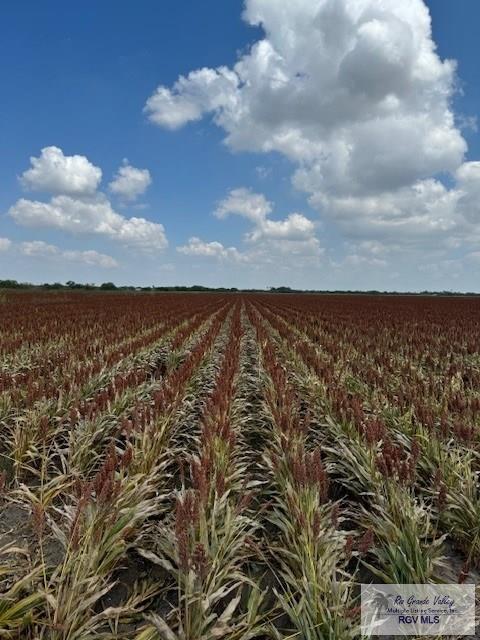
column 290, row 241
column 91, row 258
column 468, row 191
column 354, row 93
column 372, row 248
column 294, row 227
column 256, row 208
column 197, row 247
column 93, row 215
column 40, row 249
column 53, row 172
column 358, row 260
column 287, row 252
column 129, row 182
column 204, row 90
column 243, row 202
column 283, row 253
column 77, row 206
column 5, row 244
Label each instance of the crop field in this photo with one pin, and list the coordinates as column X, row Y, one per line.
column 205, row 466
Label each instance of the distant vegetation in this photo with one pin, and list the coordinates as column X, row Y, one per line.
column 105, row 286
column 110, row 286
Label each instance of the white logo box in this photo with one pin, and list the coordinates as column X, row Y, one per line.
column 417, row 609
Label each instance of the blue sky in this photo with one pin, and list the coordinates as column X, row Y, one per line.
column 275, row 171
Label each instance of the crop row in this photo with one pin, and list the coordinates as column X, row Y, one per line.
column 189, row 467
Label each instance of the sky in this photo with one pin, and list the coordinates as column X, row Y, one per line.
column 326, row 144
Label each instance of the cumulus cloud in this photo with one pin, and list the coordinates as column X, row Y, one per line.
column 295, row 227
column 289, row 240
column 256, row 208
column 354, row 93
column 197, row 247
column 468, row 192
column 77, row 206
column 40, row 249
column 94, row 215
column 204, row 90
column 91, row 258
column 53, row 172
column 284, row 253
column 243, row 202
column 129, row 183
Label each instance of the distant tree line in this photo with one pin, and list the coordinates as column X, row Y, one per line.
column 105, row 286
column 70, row 285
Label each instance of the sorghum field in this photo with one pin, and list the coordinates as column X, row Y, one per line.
column 183, row 466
